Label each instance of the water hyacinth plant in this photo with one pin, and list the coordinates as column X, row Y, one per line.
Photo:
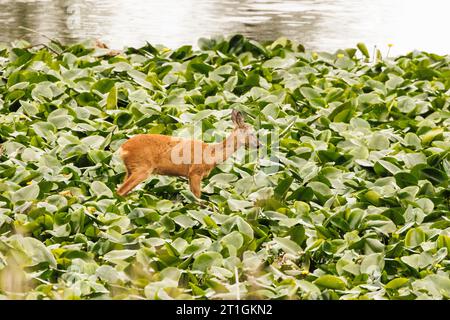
column 353, row 203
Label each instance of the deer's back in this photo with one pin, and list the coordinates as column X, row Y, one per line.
column 156, row 151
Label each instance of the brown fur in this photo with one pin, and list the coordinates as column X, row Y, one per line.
column 146, row 154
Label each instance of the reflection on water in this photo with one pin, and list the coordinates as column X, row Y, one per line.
column 318, row 24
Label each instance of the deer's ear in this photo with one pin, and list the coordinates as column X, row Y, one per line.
column 237, row 118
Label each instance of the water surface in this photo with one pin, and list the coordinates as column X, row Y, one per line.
column 318, row 24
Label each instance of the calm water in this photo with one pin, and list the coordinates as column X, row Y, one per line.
column 318, row 24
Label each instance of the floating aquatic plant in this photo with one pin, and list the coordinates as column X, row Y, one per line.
column 353, row 204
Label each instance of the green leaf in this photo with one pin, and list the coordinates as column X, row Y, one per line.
column 117, row 256
column 362, row 47
column 413, row 140
column 405, row 179
column 435, row 176
column 384, row 167
column 234, row 239
column 184, row 221
column 288, row 245
column 330, row 282
column 244, row 227
column 103, row 85
column 238, row 205
column 431, row 135
column 397, row 283
column 378, row 142
column 29, row 108
column 437, row 285
column 373, row 197
column 37, row 250
column 28, row 193
column 414, row 237
column 283, row 187
column 207, row 260
column 320, row 190
column 100, row 189
column 372, row 263
column 309, row 93
column 443, row 241
column 298, row 234
column 111, row 100
column 45, row 129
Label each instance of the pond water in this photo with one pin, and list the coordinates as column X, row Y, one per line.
column 318, row 24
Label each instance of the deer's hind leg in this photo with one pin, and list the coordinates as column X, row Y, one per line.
column 132, row 180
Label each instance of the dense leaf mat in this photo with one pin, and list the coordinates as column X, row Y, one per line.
column 354, row 204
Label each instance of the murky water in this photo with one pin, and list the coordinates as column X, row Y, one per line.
column 318, row 24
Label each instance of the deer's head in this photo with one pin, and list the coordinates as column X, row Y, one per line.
column 245, row 134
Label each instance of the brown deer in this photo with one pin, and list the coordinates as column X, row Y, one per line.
column 146, row 154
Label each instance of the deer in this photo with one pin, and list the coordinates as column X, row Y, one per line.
column 147, row 154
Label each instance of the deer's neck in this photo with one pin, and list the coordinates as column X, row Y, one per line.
column 225, row 149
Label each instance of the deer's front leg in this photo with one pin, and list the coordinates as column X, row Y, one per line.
column 195, row 184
